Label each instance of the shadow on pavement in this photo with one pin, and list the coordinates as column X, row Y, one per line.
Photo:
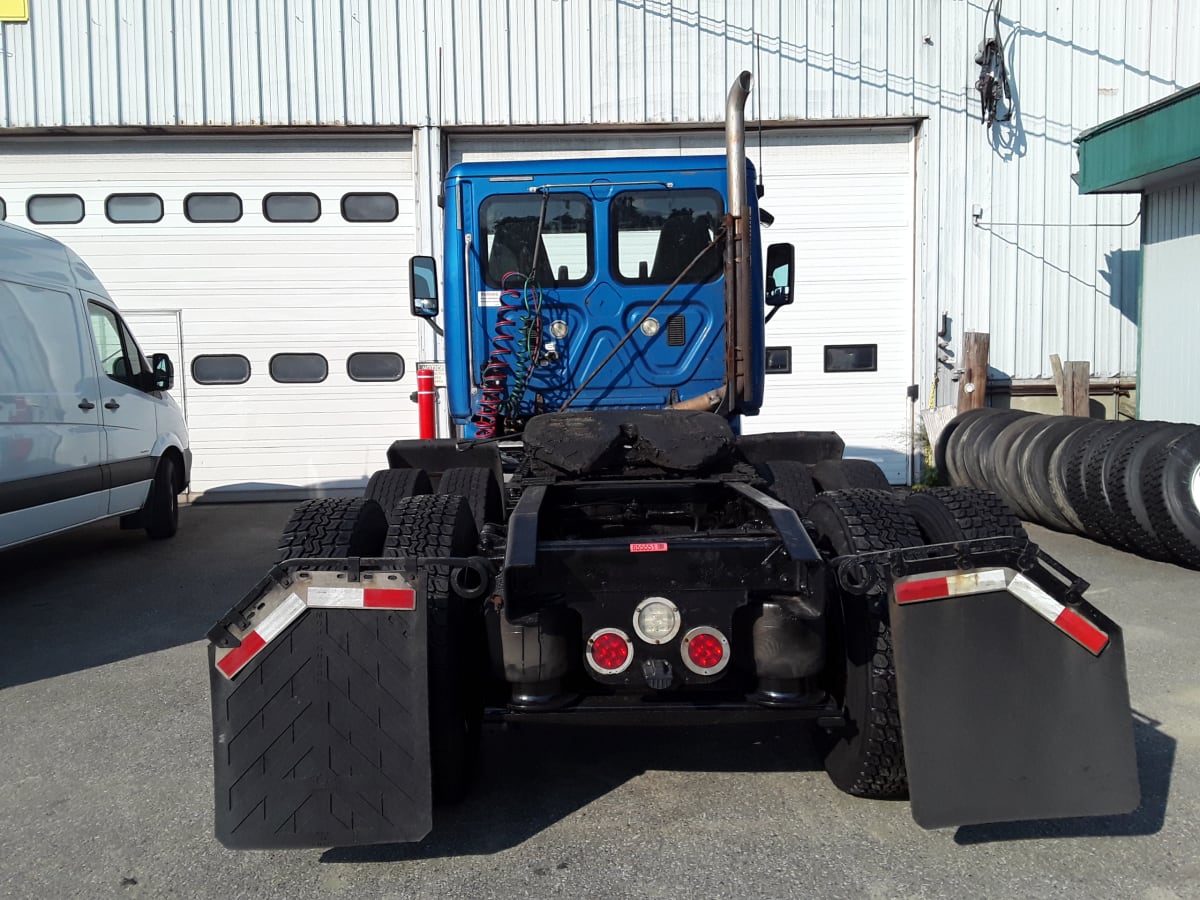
column 97, row 594
column 537, row 775
column 1156, row 760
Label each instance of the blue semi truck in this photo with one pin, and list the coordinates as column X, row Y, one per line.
column 599, row 543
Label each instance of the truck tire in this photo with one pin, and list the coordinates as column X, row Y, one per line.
column 1004, row 463
column 1058, row 473
column 480, row 489
column 1128, row 485
column 388, row 487
column 790, row 483
column 334, row 527
column 1171, row 489
column 944, row 450
column 1073, row 462
column 1034, row 461
column 846, row 474
column 866, row 756
column 1093, row 503
column 162, row 505
column 946, row 515
column 975, row 444
column 442, row 525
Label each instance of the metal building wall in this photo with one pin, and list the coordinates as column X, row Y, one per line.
column 1169, row 379
column 1044, row 270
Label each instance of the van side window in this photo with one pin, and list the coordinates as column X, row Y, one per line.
column 42, row 347
column 120, row 358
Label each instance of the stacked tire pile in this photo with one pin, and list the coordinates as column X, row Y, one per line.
column 1134, row 485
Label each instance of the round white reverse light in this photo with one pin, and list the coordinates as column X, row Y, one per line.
column 656, row 620
column 650, row 327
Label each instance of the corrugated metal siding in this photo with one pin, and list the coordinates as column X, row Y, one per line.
column 1169, row 380
column 1045, row 272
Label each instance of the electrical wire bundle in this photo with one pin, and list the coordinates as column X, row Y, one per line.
column 993, row 80
column 529, row 339
column 497, row 399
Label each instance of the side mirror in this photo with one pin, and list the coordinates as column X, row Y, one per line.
column 781, row 270
column 163, row 372
column 422, row 285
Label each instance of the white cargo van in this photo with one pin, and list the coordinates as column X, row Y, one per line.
column 87, row 428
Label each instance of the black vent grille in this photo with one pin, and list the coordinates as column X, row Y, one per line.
column 676, row 330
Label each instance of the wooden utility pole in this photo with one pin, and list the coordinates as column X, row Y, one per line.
column 972, row 386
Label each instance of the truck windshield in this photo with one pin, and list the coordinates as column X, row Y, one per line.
column 510, row 227
column 655, row 234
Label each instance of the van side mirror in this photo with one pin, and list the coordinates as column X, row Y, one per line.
column 162, row 372
column 781, row 270
column 422, row 285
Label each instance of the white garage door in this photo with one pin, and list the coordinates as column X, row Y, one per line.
column 845, row 199
column 273, row 290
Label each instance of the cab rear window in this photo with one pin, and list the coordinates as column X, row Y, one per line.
column 656, row 234
column 564, row 255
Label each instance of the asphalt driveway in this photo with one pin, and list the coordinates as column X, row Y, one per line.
column 105, row 764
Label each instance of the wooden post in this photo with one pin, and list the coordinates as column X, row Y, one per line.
column 1076, row 380
column 972, row 386
column 1072, row 382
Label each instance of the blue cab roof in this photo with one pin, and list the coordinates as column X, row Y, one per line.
column 591, row 166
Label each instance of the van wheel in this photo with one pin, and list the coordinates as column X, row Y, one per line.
column 162, row 506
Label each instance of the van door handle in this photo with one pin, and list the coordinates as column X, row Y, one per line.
column 112, row 404
column 86, row 404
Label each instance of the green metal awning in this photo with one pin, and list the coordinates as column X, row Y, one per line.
column 1149, row 147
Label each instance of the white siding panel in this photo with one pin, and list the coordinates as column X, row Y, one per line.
column 1169, row 379
column 256, row 288
column 1045, row 272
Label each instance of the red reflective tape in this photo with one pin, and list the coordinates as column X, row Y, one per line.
column 1082, row 630
column 929, row 589
column 389, row 598
column 648, row 548
column 233, row 661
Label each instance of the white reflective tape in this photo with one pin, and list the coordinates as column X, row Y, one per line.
column 1035, row 598
column 336, row 597
column 977, row 582
column 280, row 618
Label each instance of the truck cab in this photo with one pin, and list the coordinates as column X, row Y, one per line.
column 549, row 265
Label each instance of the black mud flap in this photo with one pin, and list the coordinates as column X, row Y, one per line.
column 1013, row 696
column 320, row 714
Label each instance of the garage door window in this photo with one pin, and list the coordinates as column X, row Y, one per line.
column 221, row 368
column 299, row 368
column 851, row 357
column 212, row 207
column 370, row 208
column 779, row 360
column 375, row 366
column 122, row 208
column 657, row 233
column 510, row 227
column 291, row 207
column 54, row 209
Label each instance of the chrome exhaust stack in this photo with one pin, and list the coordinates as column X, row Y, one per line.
column 738, row 245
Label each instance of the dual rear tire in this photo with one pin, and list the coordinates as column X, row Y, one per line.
column 865, row 757
column 425, row 525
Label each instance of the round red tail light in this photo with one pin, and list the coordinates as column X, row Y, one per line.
column 609, row 651
column 705, row 651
